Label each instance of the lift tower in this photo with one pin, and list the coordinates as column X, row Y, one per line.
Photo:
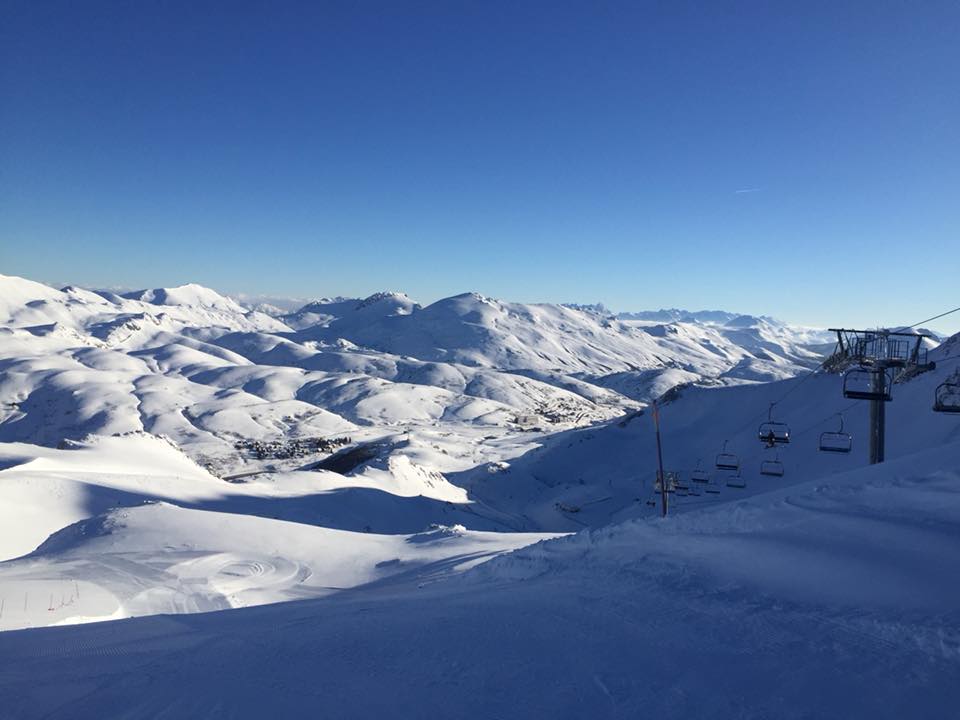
column 872, row 361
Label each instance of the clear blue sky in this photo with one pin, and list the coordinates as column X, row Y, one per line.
column 795, row 159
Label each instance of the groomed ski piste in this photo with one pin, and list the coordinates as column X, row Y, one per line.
column 518, row 574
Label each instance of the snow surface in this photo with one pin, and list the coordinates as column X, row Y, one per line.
column 125, row 526
column 162, row 455
column 831, row 599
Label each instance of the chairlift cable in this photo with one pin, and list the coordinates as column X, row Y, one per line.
column 756, row 455
column 807, row 376
column 783, row 397
column 935, row 317
column 823, row 362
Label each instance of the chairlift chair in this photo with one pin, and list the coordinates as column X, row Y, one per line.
column 727, row 461
column 674, row 481
column 836, row 442
column 947, row 396
column 736, row 481
column 772, row 432
column 772, row 468
column 670, row 483
column 699, row 476
column 861, row 383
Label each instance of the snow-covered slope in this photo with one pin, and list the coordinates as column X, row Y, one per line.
column 128, row 525
column 831, row 599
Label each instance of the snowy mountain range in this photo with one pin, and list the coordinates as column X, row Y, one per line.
column 172, row 451
column 417, row 393
column 195, row 365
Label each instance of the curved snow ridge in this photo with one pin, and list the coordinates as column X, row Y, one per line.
column 86, row 530
column 134, row 453
column 18, row 294
column 161, row 558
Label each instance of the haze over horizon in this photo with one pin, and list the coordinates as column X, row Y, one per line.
column 798, row 164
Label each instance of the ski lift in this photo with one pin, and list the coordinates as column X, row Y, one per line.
column 727, row 461
column 947, row 396
column 735, row 481
column 671, row 483
column 836, row 442
column 700, row 476
column 863, row 383
column 773, row 433
column 772, row 468
column 712, row 491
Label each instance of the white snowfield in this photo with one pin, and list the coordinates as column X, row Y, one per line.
column 830, row 599
column 169, row 453
column 127, row 526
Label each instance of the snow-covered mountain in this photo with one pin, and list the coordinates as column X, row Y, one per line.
column 170, row 452
column 197, row 366
column 418, row 394
column 843, row 578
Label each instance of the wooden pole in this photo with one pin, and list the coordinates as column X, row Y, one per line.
column 660, row 474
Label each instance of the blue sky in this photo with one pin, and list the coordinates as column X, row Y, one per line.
column 794, row 159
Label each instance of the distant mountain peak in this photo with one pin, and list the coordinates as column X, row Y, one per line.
column 380, row 296
column 592, row 308
column 745, row 321
column 190, row 294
